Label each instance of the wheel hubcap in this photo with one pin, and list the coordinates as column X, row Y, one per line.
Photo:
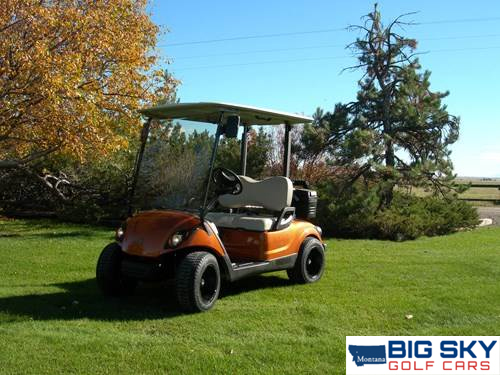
column 314, row 263
column 209, row 284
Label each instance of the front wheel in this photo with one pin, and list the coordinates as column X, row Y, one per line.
column 108, row 272
column 310, row 263
column 198, row 282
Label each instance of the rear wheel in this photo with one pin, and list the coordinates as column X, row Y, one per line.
column 310, row 263
column 108, row 272
column 198, row 281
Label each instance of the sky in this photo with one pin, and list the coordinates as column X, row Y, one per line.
column 289, row 55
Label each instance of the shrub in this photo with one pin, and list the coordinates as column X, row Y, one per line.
column 355, row 213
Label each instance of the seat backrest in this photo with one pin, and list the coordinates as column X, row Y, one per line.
column 273, row 193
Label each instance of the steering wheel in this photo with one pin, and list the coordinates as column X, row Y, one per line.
column 226, row 181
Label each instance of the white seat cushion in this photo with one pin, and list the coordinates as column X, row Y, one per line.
column 273, row 193
column 255, row 223
column 241, row 221
column 221, row 219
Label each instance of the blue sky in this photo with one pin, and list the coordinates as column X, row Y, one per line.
column 300, row 72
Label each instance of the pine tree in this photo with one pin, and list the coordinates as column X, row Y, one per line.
column 397, row 131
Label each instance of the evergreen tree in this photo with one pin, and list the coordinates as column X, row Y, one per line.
column 397, row 131
column 259, row 148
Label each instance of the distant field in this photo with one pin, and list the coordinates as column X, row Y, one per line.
column 481, row 193
column 474, row 192
column 53, row 320
column 478, row 180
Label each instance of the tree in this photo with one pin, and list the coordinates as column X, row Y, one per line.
column 72, row 74
column 398, row 131
column 315, row 152
column 259, row 149
column 173, row 168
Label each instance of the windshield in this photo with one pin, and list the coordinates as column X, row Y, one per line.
column 175, row 165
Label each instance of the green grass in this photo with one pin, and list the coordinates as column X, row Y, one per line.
column 53, row 319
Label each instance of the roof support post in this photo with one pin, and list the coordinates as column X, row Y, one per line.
column 138, row 161
column 287, row 149
column 243, row 153
column 211, row 165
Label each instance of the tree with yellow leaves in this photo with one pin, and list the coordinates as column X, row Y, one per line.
column 72, row 75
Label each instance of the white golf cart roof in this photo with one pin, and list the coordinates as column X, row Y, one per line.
column 211, row 112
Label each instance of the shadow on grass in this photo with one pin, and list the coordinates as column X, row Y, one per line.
column 9, row 235
column 83, row 300
column 49, row 235
column 76, row 233
column 20, row 225
column 46, row 228
column 253, row 283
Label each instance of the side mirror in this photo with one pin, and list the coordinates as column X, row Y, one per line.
column 232, row 125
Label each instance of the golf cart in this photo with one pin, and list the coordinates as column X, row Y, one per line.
column 249, row 227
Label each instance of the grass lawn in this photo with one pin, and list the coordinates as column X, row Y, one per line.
column 53, row 319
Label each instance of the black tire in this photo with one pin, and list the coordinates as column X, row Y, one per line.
column 310, row 263
column 198, row 282
column 108, row 272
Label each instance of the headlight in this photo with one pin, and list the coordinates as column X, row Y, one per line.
column 176, row 239
column 320, row 231
column 120, row 232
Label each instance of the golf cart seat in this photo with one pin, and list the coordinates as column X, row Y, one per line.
column 242, row 221
column 273, row 194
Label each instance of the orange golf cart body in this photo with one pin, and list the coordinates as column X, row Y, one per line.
column 147, row 234
column 259, row 226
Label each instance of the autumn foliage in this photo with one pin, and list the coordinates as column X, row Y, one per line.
column 72, row 75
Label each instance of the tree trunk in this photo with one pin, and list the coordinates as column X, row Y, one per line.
column 387, row 193
column 389, row 162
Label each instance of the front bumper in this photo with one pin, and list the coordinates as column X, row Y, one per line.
column 145, row 269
